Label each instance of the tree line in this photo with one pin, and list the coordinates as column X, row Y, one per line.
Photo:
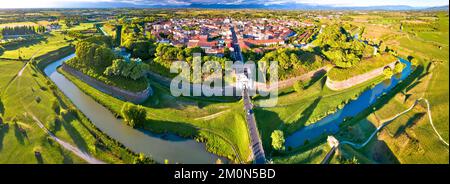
column 22, row 30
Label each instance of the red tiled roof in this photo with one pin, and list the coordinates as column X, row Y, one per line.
column 261, row 42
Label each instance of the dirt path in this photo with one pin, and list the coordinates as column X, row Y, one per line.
column 212, row 116
column 85, row 156
column 388, row 121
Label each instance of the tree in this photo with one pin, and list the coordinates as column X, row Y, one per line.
column 398, row 67
column 414, row 62
column 134, row 115
column 278, row 140
column 388, row 72
column 133, row 68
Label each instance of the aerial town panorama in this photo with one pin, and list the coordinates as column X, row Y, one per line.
column 228, row 82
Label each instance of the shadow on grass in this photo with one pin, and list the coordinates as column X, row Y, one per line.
column 167, row 130
column 3, row 131
column 411, row 121
column 65, row 154
column 376, row 151
column 316, row 77
column 2, row 107
column 39, row 158
column 267, row 122
column 381, row 153
column 412, row 86
column 25, row 43
column 20, row 136
column 306, row 114
column 73, row 133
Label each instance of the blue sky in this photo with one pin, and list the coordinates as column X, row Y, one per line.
column 65, row 3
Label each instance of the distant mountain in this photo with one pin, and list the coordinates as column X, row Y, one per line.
column 300, row 6
column 285, row 6
column 438, row 8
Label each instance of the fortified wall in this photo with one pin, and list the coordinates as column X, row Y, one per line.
column 135, row 97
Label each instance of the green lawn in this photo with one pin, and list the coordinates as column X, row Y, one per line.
column 7, row 70
column 310, row 156
column 219, row 124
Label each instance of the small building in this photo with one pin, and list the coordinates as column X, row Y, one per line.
column 332, row 141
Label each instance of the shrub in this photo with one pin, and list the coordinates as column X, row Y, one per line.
column 388, row 72
column 38, row 99
column 277, row 140
column 142, row 159
column 398, row 67
column 134, row 115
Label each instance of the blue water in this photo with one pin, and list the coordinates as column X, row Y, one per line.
column 330, row 124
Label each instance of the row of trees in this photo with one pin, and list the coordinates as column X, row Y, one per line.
column 22, row 30
column 165, row 54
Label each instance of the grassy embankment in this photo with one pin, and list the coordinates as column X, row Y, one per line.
column 117, row 81
column 206, row 121
column 298, row 109
column 366, row 65
column 410, row 138
column 33, row 93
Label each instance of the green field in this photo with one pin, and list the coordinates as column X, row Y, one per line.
column 8, row 69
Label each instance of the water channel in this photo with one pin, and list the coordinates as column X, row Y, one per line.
column 174, row 148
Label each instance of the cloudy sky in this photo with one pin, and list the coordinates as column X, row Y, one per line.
column 75, row 3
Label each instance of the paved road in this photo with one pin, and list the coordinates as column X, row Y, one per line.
column 327, row 158
column 255, row 140
column 235, row 44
